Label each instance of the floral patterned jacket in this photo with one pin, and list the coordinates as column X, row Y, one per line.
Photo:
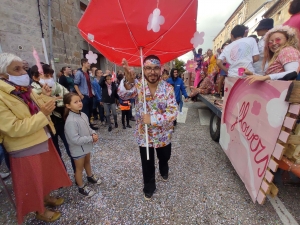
column 162, row 108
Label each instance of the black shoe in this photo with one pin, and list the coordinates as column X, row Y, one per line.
column 93, row 127
column 217, row 95
column 132, row 119
column 94, row 180
column 175, row 122
column 86, row 191
column 116, row 125
column 109, row 129
column 148, row 196
column 165, row 178
column 124, row 127
column 129, row 126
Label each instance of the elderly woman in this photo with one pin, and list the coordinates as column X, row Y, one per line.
column 282, row 55
column 25, row 126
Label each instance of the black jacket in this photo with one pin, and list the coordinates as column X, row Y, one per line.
column 114, row 91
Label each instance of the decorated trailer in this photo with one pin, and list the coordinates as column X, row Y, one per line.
column 258, row 131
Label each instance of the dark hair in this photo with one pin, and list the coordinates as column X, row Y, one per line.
column 67, row 100
column 47, row 69
column 238, row 31
column 96, row 71
column 84, row 60
column 151, row 57
column 223, row 46
column 172, row 72
column 34, row 71
column 166, row 72
column 63, row 69
column 254, row 36
column 294, row 7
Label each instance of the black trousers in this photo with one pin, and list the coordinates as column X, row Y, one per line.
column 87, row 108
column 125, row 113
column 148, row 166
column 59, row 127
column 100, row 112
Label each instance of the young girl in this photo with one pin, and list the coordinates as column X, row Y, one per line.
column 80, row 138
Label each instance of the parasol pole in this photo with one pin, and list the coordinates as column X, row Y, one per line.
column 145, row 106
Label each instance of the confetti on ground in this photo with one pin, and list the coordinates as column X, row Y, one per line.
column 203, row 187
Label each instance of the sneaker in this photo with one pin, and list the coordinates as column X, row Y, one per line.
column 181, row 113
column 165, row 177
column 4, row 175
column 129, row 126
column 94, row 127
column 109, row 129
column 124, row 127
column 86, row 191
column 116, row 125
column 94, row 180
column 148, row 196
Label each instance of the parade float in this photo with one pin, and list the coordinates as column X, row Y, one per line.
column 257, row 128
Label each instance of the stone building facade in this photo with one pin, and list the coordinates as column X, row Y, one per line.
column 253, row 19
column 20, row 31
column 279, row 12
column 237, row 17
column 249, row 13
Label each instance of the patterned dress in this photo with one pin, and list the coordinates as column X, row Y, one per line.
column 163, row 110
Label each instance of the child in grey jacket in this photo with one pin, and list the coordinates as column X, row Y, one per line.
column 80, row 138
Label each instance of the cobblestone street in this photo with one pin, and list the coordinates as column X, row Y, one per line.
column 203, row 187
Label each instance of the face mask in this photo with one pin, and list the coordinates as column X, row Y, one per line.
column 22, row 80
column 50, row 82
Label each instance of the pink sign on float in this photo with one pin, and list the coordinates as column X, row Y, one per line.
column 251, row 122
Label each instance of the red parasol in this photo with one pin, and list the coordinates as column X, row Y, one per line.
column 119, row 28
column 132, row 29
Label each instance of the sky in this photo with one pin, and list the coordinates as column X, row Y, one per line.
column 212, row 15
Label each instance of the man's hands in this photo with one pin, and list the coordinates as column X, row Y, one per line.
column 81, row 96
column 146, row 119
column 95, row 138
column 129, row 75
column 48, row 108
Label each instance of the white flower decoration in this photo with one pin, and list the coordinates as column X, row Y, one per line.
column 197, row 39
column 91, row 37
column 92, row 58
column 155, row 20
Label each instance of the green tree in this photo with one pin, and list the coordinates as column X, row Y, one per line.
column 179, row 65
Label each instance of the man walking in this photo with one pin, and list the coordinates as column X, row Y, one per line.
column 83, row 87
column 179, row 89
column 161, row 112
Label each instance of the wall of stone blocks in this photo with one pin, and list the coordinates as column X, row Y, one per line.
column 20, row 26
column 20, row 29
column 253, row 5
